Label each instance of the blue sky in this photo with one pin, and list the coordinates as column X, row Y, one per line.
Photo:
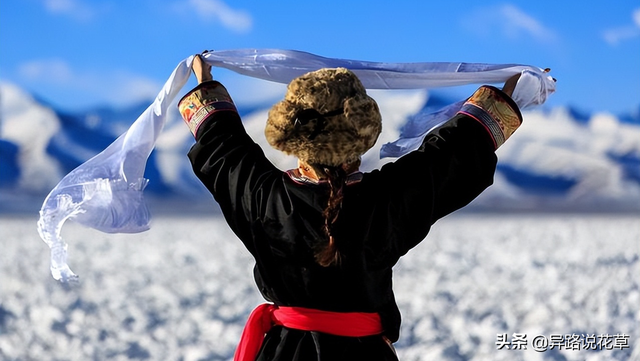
column 79, row 53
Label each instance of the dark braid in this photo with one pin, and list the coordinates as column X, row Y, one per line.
column 336, row 177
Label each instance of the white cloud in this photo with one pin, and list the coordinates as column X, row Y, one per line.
column 617, row 35
column 213, row 11
column 53, row 70
column 515, row 21
column 127, row 88
column 111, row 86
column 511, row 22
column 75, row 9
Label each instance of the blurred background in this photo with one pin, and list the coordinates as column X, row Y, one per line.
column 559, row 230
column 75, row 74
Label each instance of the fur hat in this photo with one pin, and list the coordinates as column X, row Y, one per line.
column 326, row 118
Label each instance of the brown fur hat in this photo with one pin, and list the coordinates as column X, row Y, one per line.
column 326, row 118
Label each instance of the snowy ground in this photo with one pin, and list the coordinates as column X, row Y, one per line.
column 182, row 290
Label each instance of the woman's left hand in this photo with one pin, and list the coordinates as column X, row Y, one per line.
column 201, row 69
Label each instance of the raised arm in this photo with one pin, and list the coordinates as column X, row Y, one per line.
column 227, row 161
column 454, row 164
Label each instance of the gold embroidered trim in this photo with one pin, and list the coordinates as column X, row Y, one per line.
column 489, row 106
column 205, row 99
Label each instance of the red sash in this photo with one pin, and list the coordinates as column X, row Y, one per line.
column 265, row 316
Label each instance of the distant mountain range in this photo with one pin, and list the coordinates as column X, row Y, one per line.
column 561, row 159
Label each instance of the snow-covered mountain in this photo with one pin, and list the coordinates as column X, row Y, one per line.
column 560, row 159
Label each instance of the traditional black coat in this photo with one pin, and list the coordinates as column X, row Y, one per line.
column 384, row 214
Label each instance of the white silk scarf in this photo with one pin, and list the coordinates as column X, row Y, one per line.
column 106, row 192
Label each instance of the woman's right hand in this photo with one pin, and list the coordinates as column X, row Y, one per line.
column 510, row 84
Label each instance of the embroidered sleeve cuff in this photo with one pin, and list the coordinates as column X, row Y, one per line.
column 205, row 99
column 496, row 111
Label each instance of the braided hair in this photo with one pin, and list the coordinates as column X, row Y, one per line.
column 336, row 178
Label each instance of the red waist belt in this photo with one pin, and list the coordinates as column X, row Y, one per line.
column 265, row 316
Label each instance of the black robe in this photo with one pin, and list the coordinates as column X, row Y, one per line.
column 384, row 214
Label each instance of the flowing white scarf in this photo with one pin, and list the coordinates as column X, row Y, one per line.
column 106, row 192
